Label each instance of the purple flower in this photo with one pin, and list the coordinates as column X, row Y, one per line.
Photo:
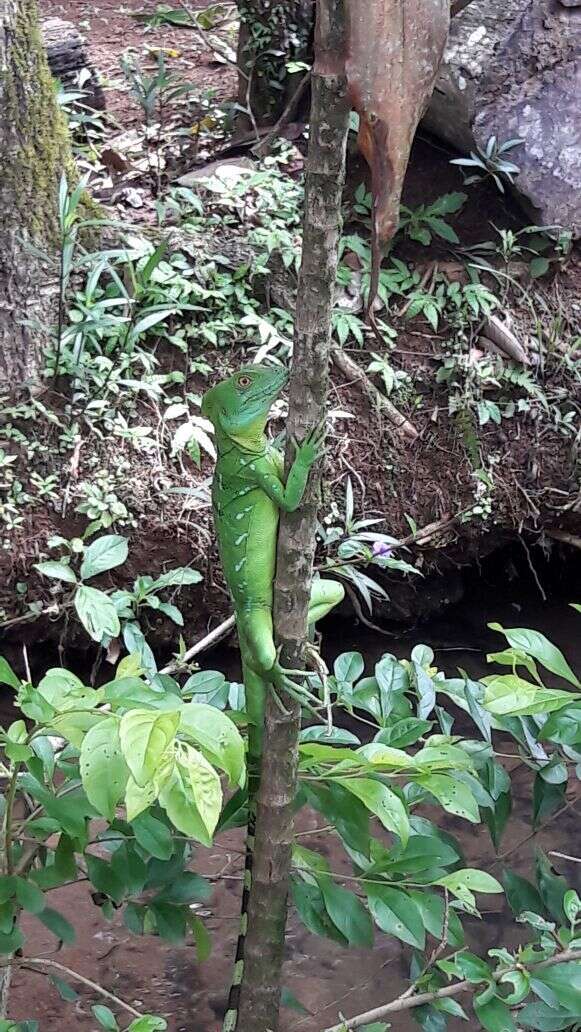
column 381, row 548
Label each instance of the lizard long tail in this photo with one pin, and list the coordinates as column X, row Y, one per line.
column 231, row 1017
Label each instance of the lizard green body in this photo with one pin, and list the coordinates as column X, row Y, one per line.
column 248, row 492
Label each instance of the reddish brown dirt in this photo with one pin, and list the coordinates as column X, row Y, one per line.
column 111, row 28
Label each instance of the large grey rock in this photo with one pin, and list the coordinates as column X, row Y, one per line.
column 512, row 68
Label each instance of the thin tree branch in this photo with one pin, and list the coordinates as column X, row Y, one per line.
column 35, row 963
column 204, row 643
column 407, row 1002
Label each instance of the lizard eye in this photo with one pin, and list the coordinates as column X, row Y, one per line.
column 244, row 381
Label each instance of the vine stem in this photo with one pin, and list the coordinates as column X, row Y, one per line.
column 34, row 963
column 407, row 1002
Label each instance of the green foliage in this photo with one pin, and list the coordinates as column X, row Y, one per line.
column 491, row 163
column 423, row 223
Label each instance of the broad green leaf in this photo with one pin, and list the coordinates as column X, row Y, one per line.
column 546, row 1019
column 105, row 1017
column 11, row 941
column 202, row 938
column 29, row 896
column 97, row 613
column 552, row 886
column 472, row 879
column 153, row 836
column 188, row 887
column 216, row 736
column 397, row 914
column 346, row 912
column 348, row 815
column 421, row 853
column 60, row 571
column 7, row 675
column 564, row 980
column 178, row 578
column 58, row 925
column 336, row 736
column 192, row 798
column 563, row 727
column 145, row 735
column 103, row 770
column 382, row 801
column 540, row 648
column 104, row 554
column 391, row 678
column 403, row 732
column 349, row 666
column 454, row 796
column 308, row 899
column 64, row 691
column 139, row 798
column 386, row 756
column 147, row 1023
column 105, row 878
column 547, row 798
column 73, row 725
column 426, row 691
column 521, row 894
column 432, row 909
column 509, row 695
column 495, row 1016
column 474, row 968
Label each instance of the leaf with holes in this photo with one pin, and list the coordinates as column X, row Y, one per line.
column 103, row 770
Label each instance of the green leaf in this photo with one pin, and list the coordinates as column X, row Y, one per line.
column 192, row 797
column 202, row 938
column 403, row 732
column 103, row 770
column 540, row 648
column 29, row 896
column 422, row 853
column 178, row 578
column 539, row 266
column 349, row 816
column 153, row 836
column 521, row 894
column 443, row 230
column 97, row 613
column 216, row 736
column 58, row 925
column 308, row 899
column 186, row 888
column 148, row 1022
column 432, row 909
column 349, row 666
column 473, row 968
column 105, row 1017
column 547, row 1019
column 547, row 798
column 104, row 554
column 509, row 695
column 495, row 1016
column 571, row 905
column 320, row 733
column 471, row 879
column 395, row 912
column 453, row 795
column 145, row 735
column 346, row 912
column 65, row 991
column 381, row 801
column 289, row 1000
column 11, row 941
column 448, row 204
column 7, row 675
column 552, row 887
column 564, row 980
column 105, row 879
column 563, row 727
column 60, row 571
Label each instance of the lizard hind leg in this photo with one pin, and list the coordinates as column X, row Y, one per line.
column 325, row 595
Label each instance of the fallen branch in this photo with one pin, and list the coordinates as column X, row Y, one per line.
column 407, row 1002
column 210, row 639
column 563, row 535
column 262, row 146
column 38, row 963
column 355, row 372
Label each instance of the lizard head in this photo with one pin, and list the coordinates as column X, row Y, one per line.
column 240, row 404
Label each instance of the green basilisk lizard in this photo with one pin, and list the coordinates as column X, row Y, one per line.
column 248, row 491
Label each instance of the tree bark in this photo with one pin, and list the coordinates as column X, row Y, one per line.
column 260, row 994
column 34, row 148
column 271, row 35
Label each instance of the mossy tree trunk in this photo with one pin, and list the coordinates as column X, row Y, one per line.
column 34, row 148
column 272, row 33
